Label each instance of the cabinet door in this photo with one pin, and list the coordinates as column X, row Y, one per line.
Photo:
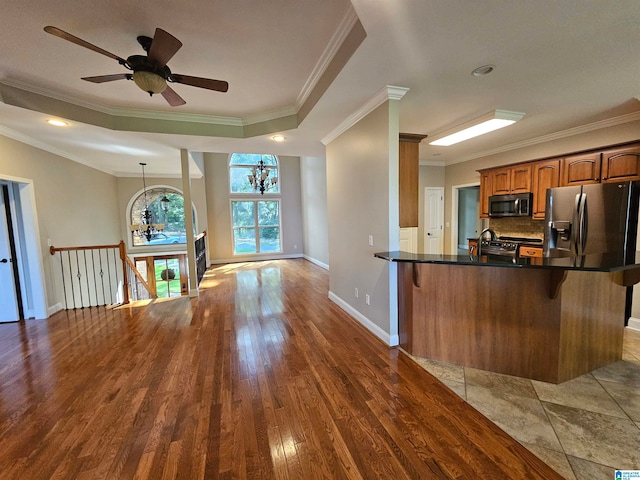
column 580, row 169
column 409, row 171
column 546, row 174
column 486, row 190
column 502, row 181
column 473, row 247
column 521, row 179
column 621, row 164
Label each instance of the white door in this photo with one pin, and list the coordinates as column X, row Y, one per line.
column 8, row 303
column 433, row 219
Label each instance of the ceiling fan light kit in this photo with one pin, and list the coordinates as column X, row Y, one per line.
column 150, row 82
column 150, row 72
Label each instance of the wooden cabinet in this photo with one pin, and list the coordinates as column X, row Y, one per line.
column 521, row 179
column 501, row 183
column 486, row 189
column 621, row 164
column 546, row 174
column 512, row 180
column 409, row 173
column 473, row 246
column 525, row 251
column 580, row 169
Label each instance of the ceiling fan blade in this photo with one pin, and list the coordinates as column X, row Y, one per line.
column 172, row 97
column 208, row 83
column 78, row 41
column 163, row 47
column 108, row 78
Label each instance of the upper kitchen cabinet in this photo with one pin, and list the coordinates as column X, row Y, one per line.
column 621, row 164
column 546, row 174
column 409, row 172
column 580, row 169
column 512, row 180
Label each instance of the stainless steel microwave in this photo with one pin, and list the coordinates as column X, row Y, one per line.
column 514, row 205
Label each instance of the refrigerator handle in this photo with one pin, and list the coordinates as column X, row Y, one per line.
column 583, row 224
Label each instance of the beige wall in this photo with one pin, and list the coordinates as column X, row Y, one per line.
column 219, row 209
column 313, row 180
column 466, row 172
column 60, row 187
column 362, row 193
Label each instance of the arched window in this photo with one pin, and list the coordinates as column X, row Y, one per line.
column 167, row 209
column 243, row 166
column 255, row 218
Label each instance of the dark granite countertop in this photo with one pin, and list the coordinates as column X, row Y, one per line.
column 597, row 263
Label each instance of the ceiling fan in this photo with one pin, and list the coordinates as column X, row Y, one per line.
column 150, row 72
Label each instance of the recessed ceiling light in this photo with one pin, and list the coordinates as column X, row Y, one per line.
column 278, row 138
column 57, row 122
column 483, row 70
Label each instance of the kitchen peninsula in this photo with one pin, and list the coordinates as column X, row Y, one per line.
column 549, row 319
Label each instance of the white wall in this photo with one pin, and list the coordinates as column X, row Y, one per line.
column 313, row 181
column 362, row 193
column 220, row 237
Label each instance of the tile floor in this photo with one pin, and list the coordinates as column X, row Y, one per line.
column 584, row 428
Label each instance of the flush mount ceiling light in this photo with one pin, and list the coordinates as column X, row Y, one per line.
column 56, row 122
column 278, row 138
column 479, row 126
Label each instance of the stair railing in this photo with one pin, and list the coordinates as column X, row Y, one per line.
column 99, row 275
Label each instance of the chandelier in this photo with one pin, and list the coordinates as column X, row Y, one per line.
column 147, row 229
column 259, row 177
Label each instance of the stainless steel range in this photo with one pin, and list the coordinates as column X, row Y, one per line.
column 506, row 247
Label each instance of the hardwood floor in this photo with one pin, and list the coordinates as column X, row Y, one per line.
column 261, row 377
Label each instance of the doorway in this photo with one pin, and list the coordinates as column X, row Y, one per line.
column 21, row 266
column 433, row 220
column 465, row 216
column 167, row 275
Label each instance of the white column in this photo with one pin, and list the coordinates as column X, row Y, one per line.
column 188, row 223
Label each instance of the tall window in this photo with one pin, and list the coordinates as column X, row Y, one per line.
column 256, row 226
column 255, row 218
column 241, row 165
column 167, row 207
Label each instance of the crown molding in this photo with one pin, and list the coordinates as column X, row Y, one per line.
column 431, row 163
column 332, row 48
column 589, row 127
column 386, row 93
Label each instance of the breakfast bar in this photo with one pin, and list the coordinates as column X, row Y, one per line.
column 548, row 319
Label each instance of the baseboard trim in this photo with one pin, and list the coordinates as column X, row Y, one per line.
column 634, row 324
column 317, row 262
column 254, row 258
column 53, row 309
column 391, row 340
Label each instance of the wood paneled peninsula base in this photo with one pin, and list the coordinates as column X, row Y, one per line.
column 540, row 321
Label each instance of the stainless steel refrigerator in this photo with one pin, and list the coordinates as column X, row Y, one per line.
column 592, row 219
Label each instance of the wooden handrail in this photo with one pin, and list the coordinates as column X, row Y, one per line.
column 53, row 250
column 139, row 277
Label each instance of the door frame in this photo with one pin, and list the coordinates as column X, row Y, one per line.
column 455, row 194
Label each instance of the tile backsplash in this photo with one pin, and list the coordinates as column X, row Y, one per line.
column 517, row 227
